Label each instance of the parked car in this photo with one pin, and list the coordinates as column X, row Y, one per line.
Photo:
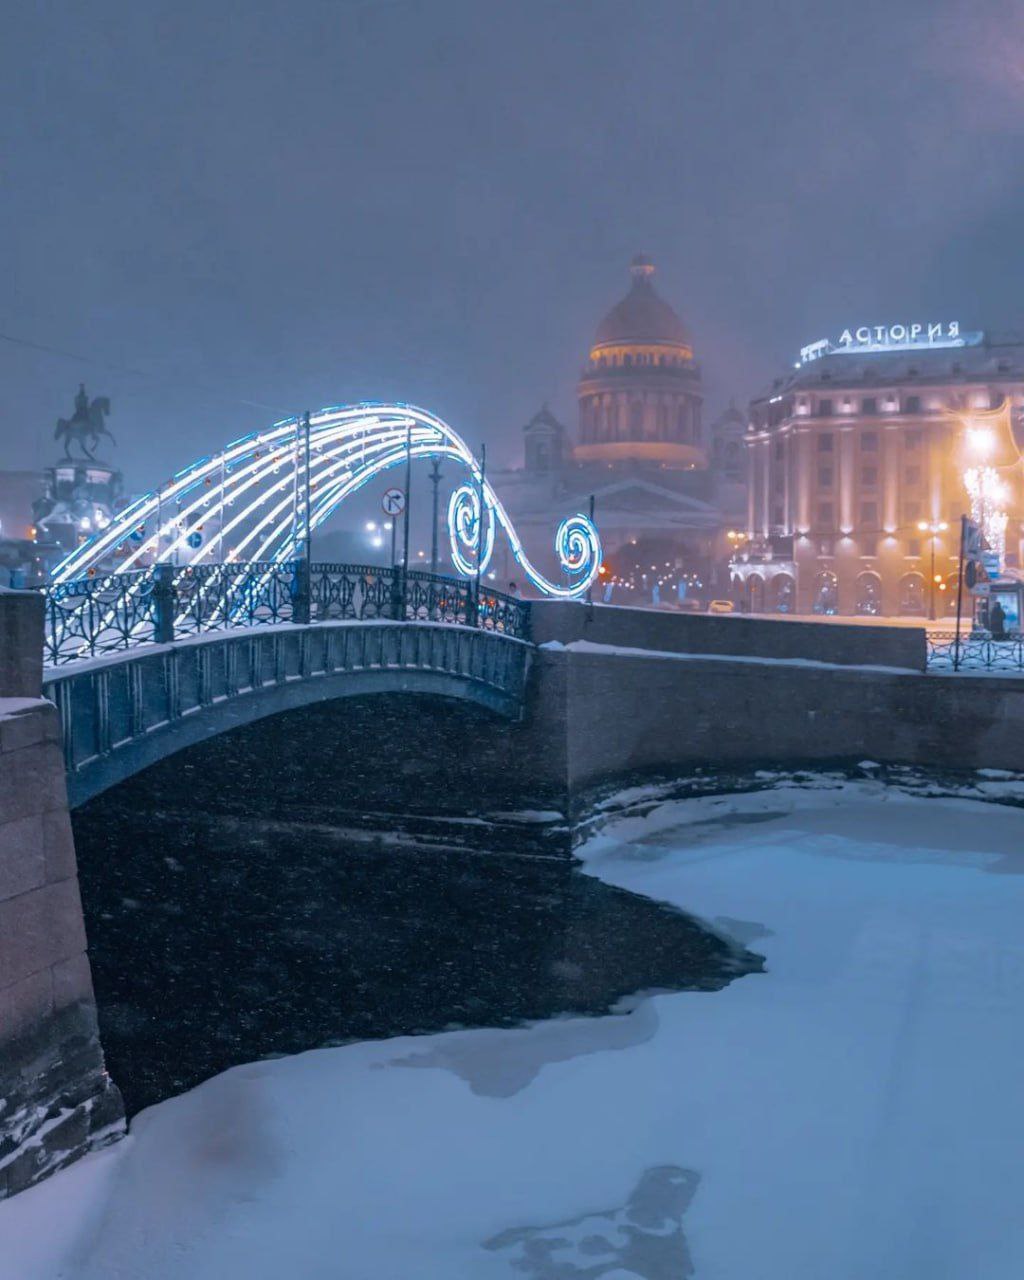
column 721, row 606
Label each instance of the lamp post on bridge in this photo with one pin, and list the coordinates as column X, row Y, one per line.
column 435, row 480
column 302, row 607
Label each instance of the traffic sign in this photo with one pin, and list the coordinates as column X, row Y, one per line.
column 393, row 502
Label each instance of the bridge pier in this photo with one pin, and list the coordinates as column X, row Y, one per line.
column 56, row 1100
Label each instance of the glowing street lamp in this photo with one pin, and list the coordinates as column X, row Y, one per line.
column 980, row 441
column 933, row 527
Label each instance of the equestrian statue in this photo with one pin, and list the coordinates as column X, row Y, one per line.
column 86, row 427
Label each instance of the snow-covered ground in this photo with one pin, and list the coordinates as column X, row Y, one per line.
column 854, row 1111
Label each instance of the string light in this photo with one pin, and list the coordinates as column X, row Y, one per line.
column 349, row 447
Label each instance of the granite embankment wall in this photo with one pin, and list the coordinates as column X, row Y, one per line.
column 634, row 692
column 845, row 644
column 56, row 1100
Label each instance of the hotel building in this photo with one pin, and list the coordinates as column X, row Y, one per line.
column 858, row 465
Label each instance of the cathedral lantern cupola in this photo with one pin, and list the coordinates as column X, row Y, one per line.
column 640, row 393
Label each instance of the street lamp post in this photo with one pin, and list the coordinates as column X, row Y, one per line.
column 934, row 528
column 435, row 480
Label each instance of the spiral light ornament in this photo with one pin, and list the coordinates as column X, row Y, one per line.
column 464, row 531
column 579, row 549
column 248, row 502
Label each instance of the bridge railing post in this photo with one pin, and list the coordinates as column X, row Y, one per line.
column 165, row 601
column 302, row 601
column 398, row 592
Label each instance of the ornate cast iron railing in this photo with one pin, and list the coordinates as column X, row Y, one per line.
column 89, row 617
column 946, row 653
column 98, row 615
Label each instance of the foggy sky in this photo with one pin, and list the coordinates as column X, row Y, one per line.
column 270, row 205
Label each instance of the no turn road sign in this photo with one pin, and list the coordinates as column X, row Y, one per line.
column 393, row 502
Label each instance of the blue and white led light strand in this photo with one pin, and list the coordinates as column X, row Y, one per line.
column 247, row 503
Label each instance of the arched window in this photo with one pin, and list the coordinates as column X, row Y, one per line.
column 869, row 595
column 825, row 594
column 783, row 593
column 755, row 593
column 911, row 595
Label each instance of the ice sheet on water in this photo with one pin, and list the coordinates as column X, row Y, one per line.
column 851, row 1112
column 642, row 1239
column 500, row 1063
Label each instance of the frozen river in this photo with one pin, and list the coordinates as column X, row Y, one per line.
column 854, row 1111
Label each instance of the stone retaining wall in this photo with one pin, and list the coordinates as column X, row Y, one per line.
column 56, row 1100
column 847, row 644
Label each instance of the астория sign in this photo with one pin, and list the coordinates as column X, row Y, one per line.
column 891, row 337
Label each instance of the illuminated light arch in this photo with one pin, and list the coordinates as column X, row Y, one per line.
column 248, row 502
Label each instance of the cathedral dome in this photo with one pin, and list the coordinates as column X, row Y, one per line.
column 642, row 316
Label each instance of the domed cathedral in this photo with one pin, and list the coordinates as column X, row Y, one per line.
column 640, row 393
column 663, row 497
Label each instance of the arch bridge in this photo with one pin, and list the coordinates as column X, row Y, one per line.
column 199, row 607
column 141, row 666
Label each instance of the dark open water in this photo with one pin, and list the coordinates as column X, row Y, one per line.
column 216, row 940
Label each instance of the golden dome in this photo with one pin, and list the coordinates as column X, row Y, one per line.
column 643, row 316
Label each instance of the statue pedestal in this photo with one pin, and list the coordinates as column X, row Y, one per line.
column 80, row 497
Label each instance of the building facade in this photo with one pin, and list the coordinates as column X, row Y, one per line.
column 664, row 486
column 863, row 459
